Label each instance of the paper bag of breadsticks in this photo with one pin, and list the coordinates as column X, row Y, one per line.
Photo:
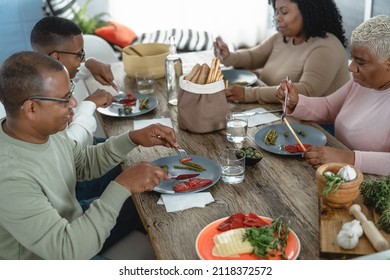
column 202, row 106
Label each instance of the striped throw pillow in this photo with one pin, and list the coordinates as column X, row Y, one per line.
column 61, row 8
column 186, row 39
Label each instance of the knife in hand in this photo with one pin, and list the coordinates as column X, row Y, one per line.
column 184, row 176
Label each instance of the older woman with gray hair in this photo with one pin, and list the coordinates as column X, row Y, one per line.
column 359, row 109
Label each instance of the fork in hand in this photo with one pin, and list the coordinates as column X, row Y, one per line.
column 182, row 152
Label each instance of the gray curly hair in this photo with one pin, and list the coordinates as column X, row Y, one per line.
column 375, row 35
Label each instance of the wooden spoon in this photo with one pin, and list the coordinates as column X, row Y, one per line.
column 128, row 52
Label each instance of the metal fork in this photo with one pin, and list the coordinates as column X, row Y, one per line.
column 286, row 99
column 182, row 152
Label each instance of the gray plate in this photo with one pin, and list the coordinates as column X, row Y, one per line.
column 239, row 76
column 113, row 109
column 212, row 172
column 313, row 136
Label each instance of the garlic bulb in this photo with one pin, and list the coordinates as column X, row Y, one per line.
column 348, row 237
column 348, row 173
column 328, row 173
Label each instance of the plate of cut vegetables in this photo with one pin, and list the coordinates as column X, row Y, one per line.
column 248, row 237
column 129, row 105
column 278, row 139
column 209, row 174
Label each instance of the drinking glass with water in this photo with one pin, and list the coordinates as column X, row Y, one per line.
column 232, row 166
column 236, row 127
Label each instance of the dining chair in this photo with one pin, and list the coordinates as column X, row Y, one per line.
column 99, row 48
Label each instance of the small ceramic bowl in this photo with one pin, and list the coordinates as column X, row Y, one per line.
column 252, row 155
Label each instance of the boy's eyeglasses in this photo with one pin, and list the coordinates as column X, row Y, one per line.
column 80, row 54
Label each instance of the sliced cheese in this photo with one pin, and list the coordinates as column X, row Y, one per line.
column 230, row 243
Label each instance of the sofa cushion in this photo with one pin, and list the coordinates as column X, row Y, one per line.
column 61, row 8
column 186, row 39
column 116, row 34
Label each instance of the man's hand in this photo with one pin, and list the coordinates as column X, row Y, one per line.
column 141, row 177
column 153, row 135
column 101, row 72
column 101, row 98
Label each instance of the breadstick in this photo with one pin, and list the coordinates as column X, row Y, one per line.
column 205, row 69
column 193, row 72
column 212, row 69
column 195, row 78
column 214, row 78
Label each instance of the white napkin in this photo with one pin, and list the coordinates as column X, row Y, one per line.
column 138, row 124
column 184, row 201
column 261, row 119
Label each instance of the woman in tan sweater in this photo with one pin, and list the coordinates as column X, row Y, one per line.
column 309, row 48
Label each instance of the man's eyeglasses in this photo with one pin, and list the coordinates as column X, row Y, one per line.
column 65, row 100
column 80, row 54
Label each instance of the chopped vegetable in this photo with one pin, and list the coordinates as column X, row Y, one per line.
column 143, row 103
column 270, row 137
column 192, row 184
column 296, row 148
column 183, row 160
column 190, row 165
column 240, row 220
column 301, row 132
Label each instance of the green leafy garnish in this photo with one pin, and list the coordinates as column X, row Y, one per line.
column 376, row 193
column 333, row 183
column 269, row 240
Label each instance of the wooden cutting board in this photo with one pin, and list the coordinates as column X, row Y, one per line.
column 331, row 221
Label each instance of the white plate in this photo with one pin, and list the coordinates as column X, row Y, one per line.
column 239, row 76
column 112, row 110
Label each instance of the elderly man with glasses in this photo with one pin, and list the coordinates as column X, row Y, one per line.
column 63, row 40
column 40, row 217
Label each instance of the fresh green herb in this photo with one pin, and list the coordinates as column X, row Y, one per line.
column 376, row 194
column 286, row 134
column 269, row 240
column 333, row 183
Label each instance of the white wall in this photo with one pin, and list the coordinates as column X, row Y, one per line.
column 240, row 22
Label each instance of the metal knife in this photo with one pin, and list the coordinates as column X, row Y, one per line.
column 184, row 176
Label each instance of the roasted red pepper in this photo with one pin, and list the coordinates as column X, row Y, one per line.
column 186, row 159
column 191, row 184
column 240, row 220
column 296, row 148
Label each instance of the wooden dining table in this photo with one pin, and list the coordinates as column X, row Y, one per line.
column 278, row 185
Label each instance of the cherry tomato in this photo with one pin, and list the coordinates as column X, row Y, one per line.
column 131, row 96
column 187, row 159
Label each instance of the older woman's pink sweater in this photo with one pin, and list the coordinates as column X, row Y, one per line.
column 362, row 122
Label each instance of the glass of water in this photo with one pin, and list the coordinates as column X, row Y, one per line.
column 236, row 127
column 232, row 166
column 145, row 82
